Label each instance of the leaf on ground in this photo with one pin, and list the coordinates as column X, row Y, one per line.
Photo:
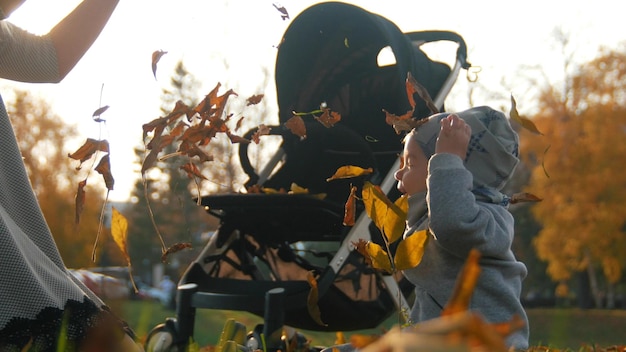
column 177, row 247
column 312, row 300
column 104, row 169
column 88, row 149
column 349, row 216
column 523, row 121
column 296, row 125
column 156, row 57
column 350, row 171
column 410, row 250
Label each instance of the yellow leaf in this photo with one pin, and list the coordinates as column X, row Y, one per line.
column 411, row 250
column 390, row 218
column 374, row 254
column 312, row 300
column 526, row 123
column 119, row 231
column 350, row 171
column 295, row 189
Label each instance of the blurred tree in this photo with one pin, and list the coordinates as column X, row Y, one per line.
column 42, row 137
column 577, row 168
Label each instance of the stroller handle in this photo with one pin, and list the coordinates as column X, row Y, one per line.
column 244, row 159
column 435, row 36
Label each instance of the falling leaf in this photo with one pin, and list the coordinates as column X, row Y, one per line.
column 524, row 197
column 177, row 247
column 119, row 232
column 403, row 123
column 88, row 149
column 465, row 284
column 255, row 99
column 350, row 208
column 328, row 118
column 192, row 171
column 284, row 15
column 412, row 86
column 239, row 122
column 79, row 200
column 156, row 56
column 374, row 255
column 263, row 130
column 192, row 150
column 410, row 250
column 98, row 112
column 236, row 139
column 312, row 299
column 104, row 169
column 389, row 217
column 296, row 125
column 295, row 189
column 523, row 121
column 350, row 171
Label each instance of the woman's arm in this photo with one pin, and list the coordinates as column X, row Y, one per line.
column 75, row 34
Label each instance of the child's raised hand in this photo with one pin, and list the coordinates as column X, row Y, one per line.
column 454, row 136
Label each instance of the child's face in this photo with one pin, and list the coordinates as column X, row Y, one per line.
column 411, row 175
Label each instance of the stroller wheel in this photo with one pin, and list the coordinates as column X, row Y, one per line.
column 161, row 339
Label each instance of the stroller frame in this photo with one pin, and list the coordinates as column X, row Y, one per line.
column 272, row 298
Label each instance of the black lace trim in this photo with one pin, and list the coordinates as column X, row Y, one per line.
column 43, row 332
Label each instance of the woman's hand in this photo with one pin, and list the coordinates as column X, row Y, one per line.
column 454, row 136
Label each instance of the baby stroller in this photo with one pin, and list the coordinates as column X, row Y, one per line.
column 267, row 245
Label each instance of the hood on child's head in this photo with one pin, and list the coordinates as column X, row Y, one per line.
column 493, row 151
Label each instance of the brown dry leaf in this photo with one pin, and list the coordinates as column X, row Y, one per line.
column 523, row 121
column 524, row 197
column 192, row 171
column 350, row 171
column 465, row 284
column 312, row 299
column 296, row 125
column 349, row 216
column 192, row 150
column 177, row 247
column 104, row 169
column 237, row 139
column 415, row 87
column 239, row 122
column 156, row 56
column 88, row 149
column 328, row 118
column 79, row 201
column 403, row 123
column 255, row 99
column 263, row 130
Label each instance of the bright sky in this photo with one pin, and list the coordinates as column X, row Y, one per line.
column 501, row 37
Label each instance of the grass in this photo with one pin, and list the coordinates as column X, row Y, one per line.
column 565, row 329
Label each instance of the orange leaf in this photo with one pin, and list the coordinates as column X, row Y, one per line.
column 104, row 169
column 177, row 247
column 350, row 208
column 465, row 284
column 237, row 139
column 526, row 123
column 88, row 149
column 119, row 232
column 349, row 171
column 156, row 56
column 255, row 99
column 296, row 125
column 421, row 91
column 403, row 123
column 361, row 340
column 79, row 200
column 524, row 197
column 312, row 299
